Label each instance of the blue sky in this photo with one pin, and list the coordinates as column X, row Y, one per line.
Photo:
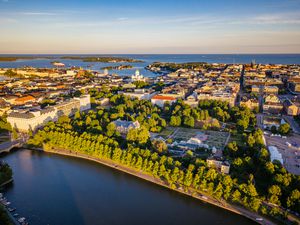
column 140, row 26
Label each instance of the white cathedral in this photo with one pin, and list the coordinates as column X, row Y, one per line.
column 137, row 77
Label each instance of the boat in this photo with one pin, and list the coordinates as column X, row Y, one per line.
column 21, row 220
column 15, row 215
column 58, row 64
column 11, row 209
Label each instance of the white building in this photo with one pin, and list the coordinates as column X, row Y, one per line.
column 160, row 100
column 137, row 77
column 123, row 126
column 218, row 163
column 105, row 72
column 275, row 155
column 71, row 73
column 26, row 120
column 140, row 94
column 85, row 102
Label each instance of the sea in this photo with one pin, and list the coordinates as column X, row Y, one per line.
column 150, row 58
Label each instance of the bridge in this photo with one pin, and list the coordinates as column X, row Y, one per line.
column 9, row 145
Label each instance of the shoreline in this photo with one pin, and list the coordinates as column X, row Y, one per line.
column 6, row 182
column 204, row 198
column 9, row 214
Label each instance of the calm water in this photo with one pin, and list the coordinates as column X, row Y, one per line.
column 58, row 190
column 210, row 58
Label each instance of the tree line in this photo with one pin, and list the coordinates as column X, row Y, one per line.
column 253, row 181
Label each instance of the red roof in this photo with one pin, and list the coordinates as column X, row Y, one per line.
column 166, row 98
column 25, row 99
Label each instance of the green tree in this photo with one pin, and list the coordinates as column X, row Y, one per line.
column 250, row 140
column 14, row 134
column 232, row 147
column 294, row 198
column 284, row 128
column 189, row 121
column 175, row 121
column 10, row 73
column 159, row 145
column 110, row 129
column 236, row 195
column 274, row 129
column 242, row 124
column 274, row 193
column 139, row 136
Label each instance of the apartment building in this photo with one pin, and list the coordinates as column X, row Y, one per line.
column 25, row 120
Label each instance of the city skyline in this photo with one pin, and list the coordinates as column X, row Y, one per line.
column 134, row 27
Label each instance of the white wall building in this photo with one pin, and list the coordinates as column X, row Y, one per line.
column 160, row 100
column 140, row 94
column 85, row 102
column 275, row 155
column 26, row 120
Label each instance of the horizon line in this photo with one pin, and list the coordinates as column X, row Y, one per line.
column 264, row 53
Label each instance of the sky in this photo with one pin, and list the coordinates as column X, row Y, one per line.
column 153, row 26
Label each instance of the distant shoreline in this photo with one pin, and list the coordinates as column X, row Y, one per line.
column 227, row 58
column 123, row 54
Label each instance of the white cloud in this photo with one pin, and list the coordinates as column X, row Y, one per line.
column 122, row 18
column 38, row 13
column 292, row 18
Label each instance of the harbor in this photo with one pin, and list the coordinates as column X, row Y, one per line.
column 11, row 212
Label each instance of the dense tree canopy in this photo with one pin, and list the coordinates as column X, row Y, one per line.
column 253, row 178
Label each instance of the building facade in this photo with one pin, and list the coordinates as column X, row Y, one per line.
column 32, row 119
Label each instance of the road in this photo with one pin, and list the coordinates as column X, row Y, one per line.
column 290, row 155
column 294, row 125
column 8, row 145
column 260, row 121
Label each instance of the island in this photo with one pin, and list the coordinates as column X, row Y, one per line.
column 121, row 67
column 103, row 59
column 15, row 58
column 159, row 67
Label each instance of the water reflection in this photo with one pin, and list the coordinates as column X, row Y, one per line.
column 61, row 190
